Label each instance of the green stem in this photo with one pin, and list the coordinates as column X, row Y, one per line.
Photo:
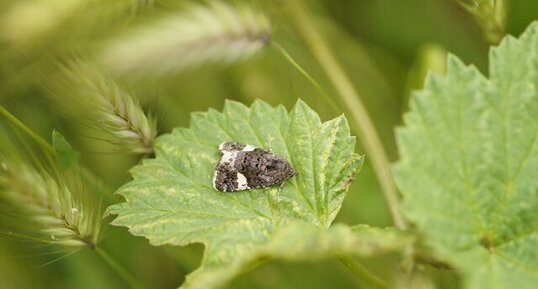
column 363, row 273
column 301, row 70
column 13, row 119
column 124, row 274
column 490, row 17
column 353, row 102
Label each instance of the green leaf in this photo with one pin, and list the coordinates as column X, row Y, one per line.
column 66, row 155
column 469, row 164
column 171, row 199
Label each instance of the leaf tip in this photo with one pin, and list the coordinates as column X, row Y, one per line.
column 453, row 63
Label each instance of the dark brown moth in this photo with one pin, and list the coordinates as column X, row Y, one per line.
column 245, row 167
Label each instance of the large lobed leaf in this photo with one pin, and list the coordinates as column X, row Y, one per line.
column 469, row 165
column 171, row 199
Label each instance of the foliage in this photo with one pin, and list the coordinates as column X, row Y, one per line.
column 171, row 201
column 469, row 157
column 463, row 213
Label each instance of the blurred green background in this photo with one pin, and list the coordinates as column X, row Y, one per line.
column 385, row 46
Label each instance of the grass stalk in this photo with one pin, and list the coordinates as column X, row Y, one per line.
column 363, row 273
column 63, row 215
column 353, row 102
column 88, row 176
column 14, row 120
column 303, row 72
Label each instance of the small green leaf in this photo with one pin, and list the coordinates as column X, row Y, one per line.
column 171, row 199
column 469, row 164
column 65, row 154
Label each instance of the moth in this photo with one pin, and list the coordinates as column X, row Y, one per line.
column 245, row 167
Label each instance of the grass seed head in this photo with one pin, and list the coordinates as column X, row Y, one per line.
column 85, row 93
column 217, row 32
column 56, row 214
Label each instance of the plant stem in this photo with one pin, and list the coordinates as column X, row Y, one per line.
column 301, row 70
column 363, row 273
column 124, row 274
column 490, row 17
column 353, row 102
column 38, row 139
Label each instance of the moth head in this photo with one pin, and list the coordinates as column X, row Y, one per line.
column 230, row 146
column 283, row 166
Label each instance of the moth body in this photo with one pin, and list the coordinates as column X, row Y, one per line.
column 244, row 167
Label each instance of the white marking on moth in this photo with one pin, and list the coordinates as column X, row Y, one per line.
column 228, row 157
column 221, row 146
column 242, row 182
column 249, row 148
column 214, row 179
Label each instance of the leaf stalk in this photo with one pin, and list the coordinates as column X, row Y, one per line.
column 363, row 273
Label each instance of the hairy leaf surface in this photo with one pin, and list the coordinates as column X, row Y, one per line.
column 469, row 165
column 172, row 201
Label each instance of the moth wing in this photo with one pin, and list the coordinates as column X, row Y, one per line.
column 228, row 179
column 244, row 167
column 263, row 168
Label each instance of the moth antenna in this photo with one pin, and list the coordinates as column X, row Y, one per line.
column 280, row 188
column 269, row 144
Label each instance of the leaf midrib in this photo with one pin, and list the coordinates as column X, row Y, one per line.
column 508, row 87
